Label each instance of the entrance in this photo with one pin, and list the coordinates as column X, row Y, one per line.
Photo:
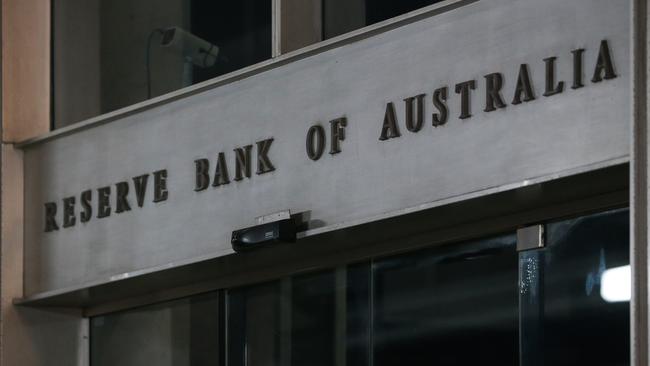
column 478, row 302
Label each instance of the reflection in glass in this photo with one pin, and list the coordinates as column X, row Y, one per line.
column 474, row 303
column 109, row 54
column 255, row 325
column 178, row 333
column 342, row 16
column 586, row 291
column 313, row 319
column 616, row 284
column 451, row 306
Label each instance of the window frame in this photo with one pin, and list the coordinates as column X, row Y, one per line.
column 277, row 60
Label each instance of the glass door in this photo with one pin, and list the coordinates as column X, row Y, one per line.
column 575, row 294
column 480, row 302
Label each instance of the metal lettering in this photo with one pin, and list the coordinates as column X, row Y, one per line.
column 414, row 121
column 551, row 87
column 87, row 212
column 337, row 129
column 50, row 217
column 202, row 175
column 243, row 162
column 160, row 192
column 140, row 185
column 440, row 102
column 315, row 142
column 121, row 203
column 604, row 64
column 221, row 171
column 103, row 202
column 316, row 139
column 577, row 68
column 493, row 98
column 389, row 129
column 264, row 164
column 464, row 89
column 69, row 218
column 524, row 86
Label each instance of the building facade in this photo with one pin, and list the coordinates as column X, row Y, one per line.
column 324, row 182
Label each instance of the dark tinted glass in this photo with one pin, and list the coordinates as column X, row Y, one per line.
column 314, row 319
column 342, row 16
column 578, row 290
column 358, row 341
column 455, row 306
column 257, row 321
column 462, row 304
column 378, row 10
column 330, row 317
column 181, row 332
column 109, row 54
column 315, row 322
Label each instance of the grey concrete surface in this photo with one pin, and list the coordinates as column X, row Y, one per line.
column 543, row 138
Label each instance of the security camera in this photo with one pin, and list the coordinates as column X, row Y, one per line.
column 194, row 49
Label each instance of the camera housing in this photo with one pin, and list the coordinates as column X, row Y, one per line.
column 194, row 49
column 282, row 231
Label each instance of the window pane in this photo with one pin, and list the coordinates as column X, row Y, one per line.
column 585, row 293
column 448, row 306
column 342, row 16
column 330, row 317
column 358, row 339
column 462, row 304
column 255, row 328
column 177, row 333
column 314, row 319
column 109, row 54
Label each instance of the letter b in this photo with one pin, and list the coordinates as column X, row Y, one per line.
column 202, row 175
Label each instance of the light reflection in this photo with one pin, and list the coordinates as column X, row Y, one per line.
column 616, row 284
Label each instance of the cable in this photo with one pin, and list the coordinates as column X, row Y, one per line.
column 148, row 57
